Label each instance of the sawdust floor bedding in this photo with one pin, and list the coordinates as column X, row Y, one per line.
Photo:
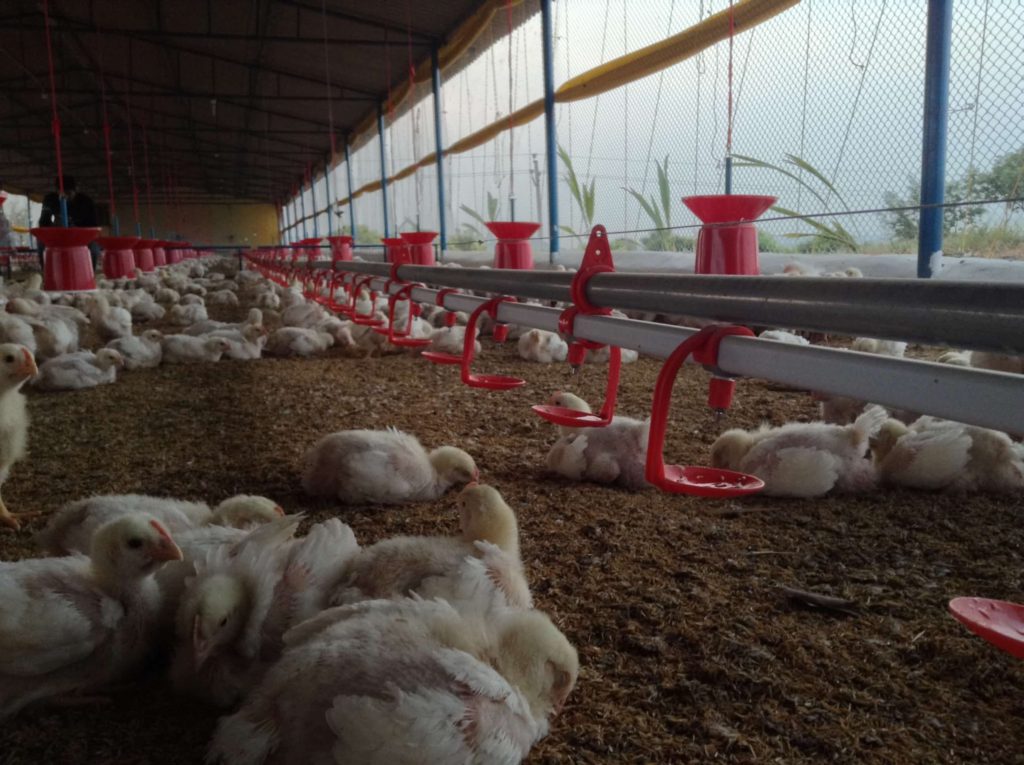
column 689, row 652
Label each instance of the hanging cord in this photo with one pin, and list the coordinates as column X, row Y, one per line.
column 657, row 106
column 55, row 124
column 414, row 114
column 110, row 161
column 625, row 111
column 389, row 132
column 511, row 125
column 597, row 100
column 729, row 105
column 856, row 102
column 131, row 165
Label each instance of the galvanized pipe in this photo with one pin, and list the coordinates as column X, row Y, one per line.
column 976, row 315
column 979, row 397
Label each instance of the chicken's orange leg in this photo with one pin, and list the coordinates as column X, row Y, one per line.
column 9, row 519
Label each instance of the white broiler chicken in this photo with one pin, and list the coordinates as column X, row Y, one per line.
column 185, row 349
column 401, row 683
column 842, row 410
column 543, row 347
column 193, row 298
column 616, row 453
column 147, row 309
column 53, row 337
column 306, row 315
column 804, row 459
column 110, row 321
column 222, row 297
column 71, row 528
column 438, row 566
column 340, row 330
column 16, row 366
column 183, row 315
column 603, row 354
column 234, row 613
column 940, row 454
column 268, row 300
column 296, row 341
column 75, row 623
column 14, row 329
column 244, row 344
column 166, row 296
column 254, row 318
column 143, row 351
column 451, row 340
column 383, row 467
column 77, row 371
column 782, row 336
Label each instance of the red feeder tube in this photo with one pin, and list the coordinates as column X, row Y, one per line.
column 395, row 250
column 727, row 242
column 997, row 621
column 68, row 264
column 159, row 254
column 341, row 248
column 513, row 248
column 699, row 481
column 118, row 258
column 143, row 250
column 419, row 245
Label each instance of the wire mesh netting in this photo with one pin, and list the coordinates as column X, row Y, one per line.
column 827, row 115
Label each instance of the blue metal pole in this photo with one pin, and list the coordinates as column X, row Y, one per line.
column 383, row 169
column 936, row 119
column 549, row 123
column 351, row 204
column 327, row 185
column 312, row 201
column 435, row 66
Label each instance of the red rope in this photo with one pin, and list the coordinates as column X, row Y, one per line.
column 106, row 144
column 728, row 133
column 55, row 124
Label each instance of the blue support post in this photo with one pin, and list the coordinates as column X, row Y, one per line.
column 312, row 200
column 383, row 169
column 351, row 205
column 549, row 123
column 435, row 80
column 936, row 119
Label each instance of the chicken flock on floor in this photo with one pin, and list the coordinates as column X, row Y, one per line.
column 411, row 649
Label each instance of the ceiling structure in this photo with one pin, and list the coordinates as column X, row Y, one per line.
column 229, row 98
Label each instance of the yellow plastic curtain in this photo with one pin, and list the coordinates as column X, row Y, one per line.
column 614, row 74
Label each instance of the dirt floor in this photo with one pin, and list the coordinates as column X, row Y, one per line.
column 689, row 651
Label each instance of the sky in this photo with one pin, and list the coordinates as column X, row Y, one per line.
column 839, row 83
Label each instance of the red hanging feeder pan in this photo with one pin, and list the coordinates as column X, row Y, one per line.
column 597, row 259
column 118, row 258
column 68, row 264
column 419, row 245
column 368, row 320
column 997, row 621
column 727, row 242
column 175, row 252
column 513, row 249
column 395, row 250
column 699, row 481
column 403, row 339
column 472, row 379
column 159, row 256
column 341, row 247
column 143, row 250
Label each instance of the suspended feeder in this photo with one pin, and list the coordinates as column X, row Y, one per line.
column 396, row 250
column 597, row 259
column 67, row 260
column 513, row 249
column 118, row 256
column 996, row 621
column 727, row 241
column 420, row 247
column 143, row 250
column 699, row 481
